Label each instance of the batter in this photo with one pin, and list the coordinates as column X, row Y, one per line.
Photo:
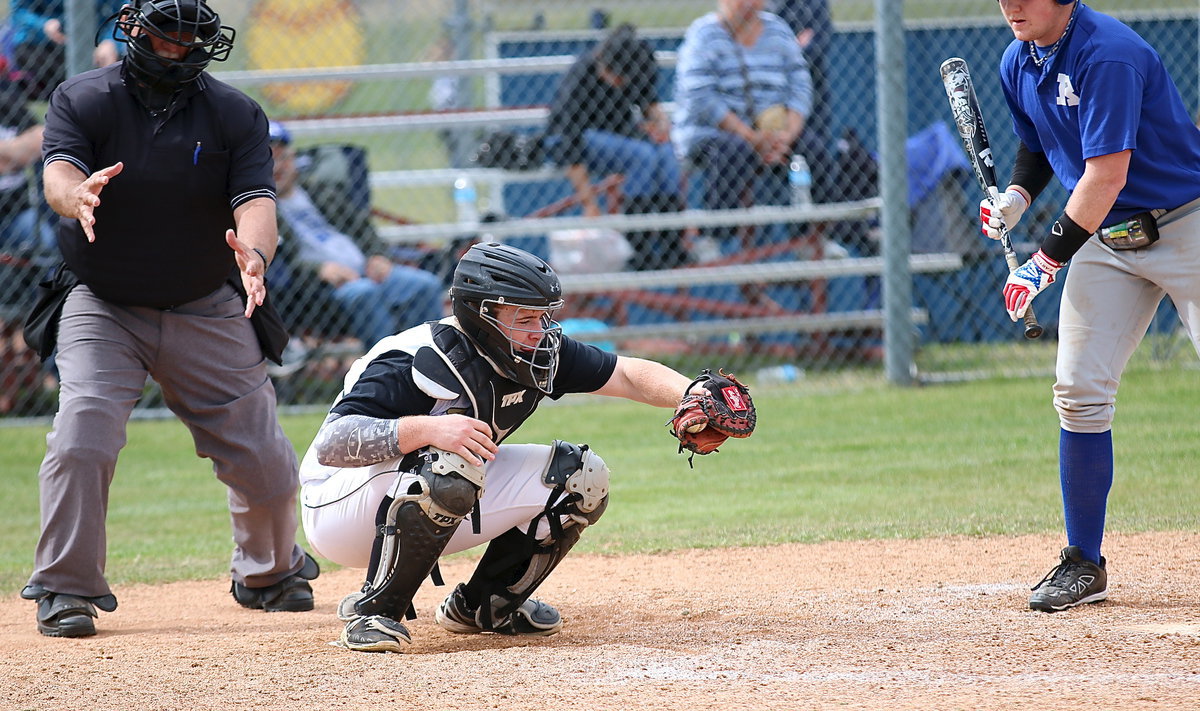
column 1094, row 106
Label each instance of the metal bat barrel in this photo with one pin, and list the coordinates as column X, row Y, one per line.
column 968, row 119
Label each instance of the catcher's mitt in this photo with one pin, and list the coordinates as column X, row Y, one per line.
column 703, row 422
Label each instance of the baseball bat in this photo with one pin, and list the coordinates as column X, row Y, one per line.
column 968, row 117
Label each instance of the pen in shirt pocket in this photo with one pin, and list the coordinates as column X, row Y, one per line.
column 196, row 154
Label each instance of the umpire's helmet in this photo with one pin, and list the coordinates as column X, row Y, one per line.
column 189, row 24
column 491, row 275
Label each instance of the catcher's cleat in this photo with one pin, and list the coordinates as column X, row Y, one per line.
column 1074, row 581
column 374, row 633
column 65, row 616
column 533, row 618
column 292, row 594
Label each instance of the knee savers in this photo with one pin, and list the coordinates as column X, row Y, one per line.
column 412, row 530
column 516, row 563
column 583, row 475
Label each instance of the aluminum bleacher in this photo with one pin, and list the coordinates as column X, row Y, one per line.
column 622, row 299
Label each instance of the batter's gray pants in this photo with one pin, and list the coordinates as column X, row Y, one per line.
column 213, row 376
column 1109, row 300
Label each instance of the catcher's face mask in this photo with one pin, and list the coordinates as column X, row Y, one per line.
column 528, row 342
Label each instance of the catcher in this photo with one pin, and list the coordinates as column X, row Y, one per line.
column 409, row 465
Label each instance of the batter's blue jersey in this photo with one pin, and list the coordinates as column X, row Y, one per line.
column 1104, row 91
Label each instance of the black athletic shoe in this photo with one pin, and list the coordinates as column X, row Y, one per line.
column 65, row 616
column 1074, row 581
column 533, row 618
column 292, row 594
column 374, row 633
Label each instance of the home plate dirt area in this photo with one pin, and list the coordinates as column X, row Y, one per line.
column 929, row 624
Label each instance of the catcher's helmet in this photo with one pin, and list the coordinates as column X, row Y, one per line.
column 189, row 24
column 491, row 275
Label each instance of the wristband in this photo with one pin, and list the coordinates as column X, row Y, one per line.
column 259, row 252
column 1066, row 237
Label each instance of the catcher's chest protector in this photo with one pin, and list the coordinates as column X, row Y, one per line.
column 451, row 362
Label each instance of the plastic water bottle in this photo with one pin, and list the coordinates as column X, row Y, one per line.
column 465, row 201
column 800, row 178
column 779, row 374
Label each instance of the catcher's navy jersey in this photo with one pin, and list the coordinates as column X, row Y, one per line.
column 400, row 377
column 396, row 380
column 1105, row 91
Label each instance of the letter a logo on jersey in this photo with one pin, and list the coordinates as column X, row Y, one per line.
column 1066, row 92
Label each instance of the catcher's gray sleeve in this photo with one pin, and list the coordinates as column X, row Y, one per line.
column 356, row 441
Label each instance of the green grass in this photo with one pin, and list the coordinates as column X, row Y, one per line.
column 827, row 463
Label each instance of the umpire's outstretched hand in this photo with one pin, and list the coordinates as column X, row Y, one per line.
column 253, row 267
column 87, row 197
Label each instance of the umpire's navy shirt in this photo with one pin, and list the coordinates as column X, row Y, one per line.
column 160, row 226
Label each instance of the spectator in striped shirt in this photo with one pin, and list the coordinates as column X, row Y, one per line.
column 742, row 93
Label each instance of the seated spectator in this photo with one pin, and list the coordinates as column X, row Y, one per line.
column 324, row 240
column 39, row 42
column 21, row 233
column 606, row 119
column 742, row 92
column 26, row 236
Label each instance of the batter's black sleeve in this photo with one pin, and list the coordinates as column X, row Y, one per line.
column 1031, row 170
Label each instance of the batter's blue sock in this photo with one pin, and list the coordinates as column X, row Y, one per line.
column 1085, row 469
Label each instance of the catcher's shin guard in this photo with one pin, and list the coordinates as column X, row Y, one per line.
column 516, row 563
column 413, row 529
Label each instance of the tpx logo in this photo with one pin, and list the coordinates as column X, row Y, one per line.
column 512, row 399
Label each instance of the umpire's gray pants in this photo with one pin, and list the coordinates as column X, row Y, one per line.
column 206, row 358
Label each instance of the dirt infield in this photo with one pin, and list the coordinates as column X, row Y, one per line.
column 931, row 624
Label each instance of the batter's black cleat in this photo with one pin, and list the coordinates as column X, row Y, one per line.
column 1074, row 581
column 533, row 618
column 374, row 633
column 292, row 594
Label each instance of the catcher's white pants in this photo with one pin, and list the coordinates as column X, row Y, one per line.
column 339, row 513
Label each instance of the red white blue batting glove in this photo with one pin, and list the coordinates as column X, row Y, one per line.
column 1001, row 211
column 1029, row 280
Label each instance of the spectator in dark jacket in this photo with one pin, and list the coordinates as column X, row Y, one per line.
column 606, row 119
column 812, row 23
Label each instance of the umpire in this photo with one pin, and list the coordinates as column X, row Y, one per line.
column 162, row 176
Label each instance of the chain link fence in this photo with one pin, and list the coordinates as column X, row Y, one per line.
column 418, row 128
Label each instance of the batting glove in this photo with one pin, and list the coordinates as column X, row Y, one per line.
column 1001, row 210
column 1029, row 280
